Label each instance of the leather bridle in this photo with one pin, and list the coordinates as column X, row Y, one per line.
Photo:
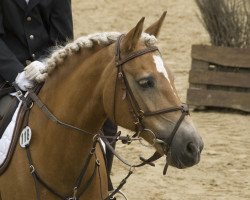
column 138, row 113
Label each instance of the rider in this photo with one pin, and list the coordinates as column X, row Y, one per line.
column 28, row 29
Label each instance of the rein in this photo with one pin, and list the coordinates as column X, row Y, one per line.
column 28, row 103
column 96, row 137
column 124, row 139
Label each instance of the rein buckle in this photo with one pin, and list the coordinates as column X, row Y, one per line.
column 74, row 194
column 141, row 114
column 72, row 198
column 184, row 109
column 127, row 140
column 120, row 75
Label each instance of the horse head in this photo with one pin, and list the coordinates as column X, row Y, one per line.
column 145, row 99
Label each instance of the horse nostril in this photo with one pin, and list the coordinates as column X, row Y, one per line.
column 191, row 148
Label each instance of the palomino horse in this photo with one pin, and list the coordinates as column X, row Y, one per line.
column 83, row 89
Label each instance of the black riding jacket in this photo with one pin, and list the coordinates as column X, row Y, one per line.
column 27, row 31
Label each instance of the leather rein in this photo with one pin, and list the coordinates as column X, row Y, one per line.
column 138, row 115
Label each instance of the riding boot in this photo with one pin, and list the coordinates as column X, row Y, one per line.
column 109, row 129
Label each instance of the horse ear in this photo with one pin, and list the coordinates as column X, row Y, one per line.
column 154, row 29
column 131, row 38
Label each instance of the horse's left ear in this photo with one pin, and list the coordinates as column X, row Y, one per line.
column 131, row 38
column 155, row 28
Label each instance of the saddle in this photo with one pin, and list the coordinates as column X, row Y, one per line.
column 8, row 105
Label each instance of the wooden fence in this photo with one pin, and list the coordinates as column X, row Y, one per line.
column 220, row 77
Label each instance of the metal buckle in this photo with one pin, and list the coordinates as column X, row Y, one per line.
column 32, row 169
column 19, row 95
column 184, row 108
column 141, row 114
column 92, row 151
column 146, row 131
column 74, row 194
column 31, row 105
column 96, row 137
column 122, row 194
column 120, row 75
column 127, row 140
column 72, row 198
column 97, row 162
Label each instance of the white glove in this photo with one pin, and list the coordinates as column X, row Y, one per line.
column 23, row 83
column 26, row 79
column 33, row 70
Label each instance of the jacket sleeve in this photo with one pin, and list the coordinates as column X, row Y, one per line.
column 9, row 64
column 61, row 25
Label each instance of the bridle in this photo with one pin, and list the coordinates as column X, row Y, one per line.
column 138, row 113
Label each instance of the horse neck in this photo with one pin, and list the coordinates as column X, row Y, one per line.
column 74, row 91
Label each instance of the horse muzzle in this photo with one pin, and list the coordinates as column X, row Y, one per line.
column 184, row 155
column 183, row 150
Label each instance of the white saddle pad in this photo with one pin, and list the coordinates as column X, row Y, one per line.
column 7, row 136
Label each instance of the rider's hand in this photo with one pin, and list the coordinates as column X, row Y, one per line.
column 26, row 79
column 23, row 83
column 33, row 70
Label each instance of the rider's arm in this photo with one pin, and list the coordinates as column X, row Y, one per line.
column 9, row 64
column 61, row 25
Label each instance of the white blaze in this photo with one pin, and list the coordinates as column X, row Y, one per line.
column 161, row 69
column 160, row 66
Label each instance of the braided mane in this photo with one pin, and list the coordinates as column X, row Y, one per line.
column 101, row 39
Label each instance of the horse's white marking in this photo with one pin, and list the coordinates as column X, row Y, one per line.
column 160, row 66
column 161, row 69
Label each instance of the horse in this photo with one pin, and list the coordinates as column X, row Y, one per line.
column 99, row 76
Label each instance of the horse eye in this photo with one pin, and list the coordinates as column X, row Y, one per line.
column 146, row 83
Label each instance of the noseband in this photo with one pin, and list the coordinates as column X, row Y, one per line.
column 138, row 113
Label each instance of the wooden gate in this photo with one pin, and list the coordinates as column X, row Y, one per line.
column 220, row 77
